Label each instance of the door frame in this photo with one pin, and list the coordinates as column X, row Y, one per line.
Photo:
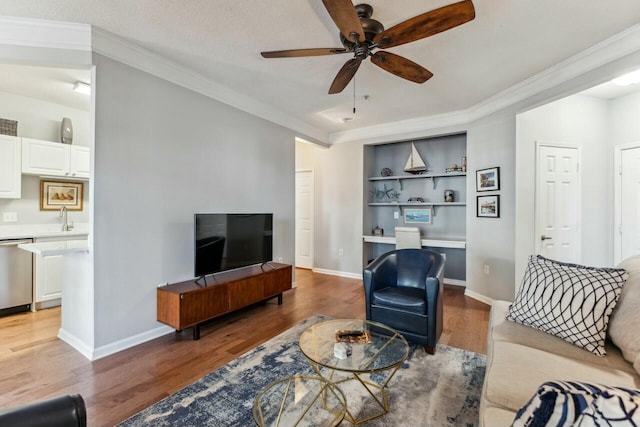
column 313, row 214
column 617, row 197
column 536, row 228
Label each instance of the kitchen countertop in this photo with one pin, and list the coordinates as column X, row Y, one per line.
column 31, row 231
column 56, row 248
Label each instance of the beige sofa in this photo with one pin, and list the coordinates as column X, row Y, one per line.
column 521, row 358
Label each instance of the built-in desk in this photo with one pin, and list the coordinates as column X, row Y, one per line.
column 433, row 242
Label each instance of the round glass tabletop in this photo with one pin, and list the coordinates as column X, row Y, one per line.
column 354, row 345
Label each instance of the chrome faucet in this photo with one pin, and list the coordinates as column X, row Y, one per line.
column 64, row 215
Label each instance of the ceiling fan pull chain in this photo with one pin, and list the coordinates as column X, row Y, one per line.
column 354, row 94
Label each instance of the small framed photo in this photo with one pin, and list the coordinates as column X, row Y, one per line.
column 56, row 194
column 488, row 206
column 488, row 179
column 417, row 216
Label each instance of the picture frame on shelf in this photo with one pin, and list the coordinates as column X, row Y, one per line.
column 488, row 206
column 488, row 179
column 55, row 195
column 417, row 216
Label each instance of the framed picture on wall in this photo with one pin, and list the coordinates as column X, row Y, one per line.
column 417, row 216
column 56, row 194
column 488, row 206
column 488, row 179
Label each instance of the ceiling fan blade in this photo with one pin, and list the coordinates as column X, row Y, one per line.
column 345, row 17
column 294, row 53
column 427, row 24
column 345, row 75
column 401, row 67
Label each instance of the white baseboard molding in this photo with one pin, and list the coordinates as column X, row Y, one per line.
column 129, row 342
column 338, row 273
column 77, row 343
column 478, row 297
column 455, row 282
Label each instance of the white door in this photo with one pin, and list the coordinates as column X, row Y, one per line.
column 628, row 204
column 558, row 203
column 304, row 219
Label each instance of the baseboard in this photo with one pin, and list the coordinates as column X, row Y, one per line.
column 455, row 282
column 129, row 342
column 338, row 273
column 76, row 343
column 478, row 297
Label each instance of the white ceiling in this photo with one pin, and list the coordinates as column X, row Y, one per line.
column 508, row 42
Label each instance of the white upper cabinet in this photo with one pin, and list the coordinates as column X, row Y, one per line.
column 54, row 159
column 10, row 171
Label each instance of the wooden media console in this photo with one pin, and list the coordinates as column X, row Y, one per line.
column 189, row 304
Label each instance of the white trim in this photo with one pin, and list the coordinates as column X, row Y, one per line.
column 131, row 341
column 338, row 273
column 455, row 282
column 478, row 297
column 41, row 33
column 77, row 343
column 115, row 47
column 617, row 198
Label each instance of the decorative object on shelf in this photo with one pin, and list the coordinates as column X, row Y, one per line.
column 464, row 164
column 415, row 200
column 378, row 231
column 386, row 172
column 454, row 168
column 449, row 196
column 66, row 131
column 488, row 179
column 488, row 206
column 8, row 127
column 417, row 216
column 415, row 164
column 55, row 194
column 385, row 194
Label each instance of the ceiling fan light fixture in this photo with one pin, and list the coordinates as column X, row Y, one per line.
column 82, row 87
column 628, row 79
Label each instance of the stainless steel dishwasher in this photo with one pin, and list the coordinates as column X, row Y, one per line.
column 16, row 277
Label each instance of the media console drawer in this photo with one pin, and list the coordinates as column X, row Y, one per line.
column 188, row 304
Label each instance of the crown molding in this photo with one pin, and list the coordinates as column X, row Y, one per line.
column 603, row 53
column 116, row 48
column 404, row 129
column 48, row 34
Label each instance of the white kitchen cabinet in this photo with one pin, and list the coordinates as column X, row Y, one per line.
column 48, row 276
column 54, row 159
column 10, row 168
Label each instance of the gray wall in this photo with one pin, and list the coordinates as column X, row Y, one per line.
column 163, row 153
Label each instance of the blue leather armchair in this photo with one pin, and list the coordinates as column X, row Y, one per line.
column 404, row 290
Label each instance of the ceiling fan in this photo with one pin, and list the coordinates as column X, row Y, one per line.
column 362, row 36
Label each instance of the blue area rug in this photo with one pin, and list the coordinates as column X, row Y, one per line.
column 439, row 390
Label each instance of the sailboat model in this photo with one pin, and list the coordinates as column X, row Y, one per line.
column 415, row 164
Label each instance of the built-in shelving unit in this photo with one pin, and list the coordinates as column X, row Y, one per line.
column 387, row 198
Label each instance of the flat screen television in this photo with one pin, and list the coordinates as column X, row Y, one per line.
column 230, row 241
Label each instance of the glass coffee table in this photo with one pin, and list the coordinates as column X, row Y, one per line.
column 358, row 354
column 301, row 401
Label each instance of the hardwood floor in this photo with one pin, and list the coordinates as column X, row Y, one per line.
column 36, row 365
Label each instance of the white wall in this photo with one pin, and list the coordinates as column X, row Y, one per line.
column 624, row 124
column 162, row 153
column 41, row 120
column 579, row 121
